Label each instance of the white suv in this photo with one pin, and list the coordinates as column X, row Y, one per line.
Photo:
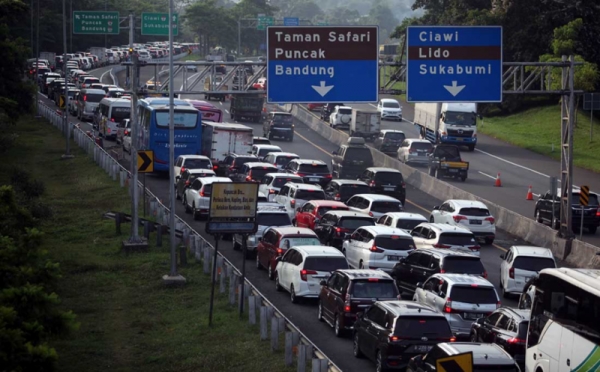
column 260, row 151
column 469, row 214
column 184, row 162
column 196, row 198
column 300, row 270
column 267, row 215
column 340, row 117
column 377, row 247
column 402, row 220
column 271, row 183
column 389, row 109
column 293, row 196
column 280, row 159
column 437, row 235
column 520, row 264
column 375, row 205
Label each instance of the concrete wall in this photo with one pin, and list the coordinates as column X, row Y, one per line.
column 581, row 255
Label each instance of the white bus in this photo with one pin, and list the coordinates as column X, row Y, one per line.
column 564, row 330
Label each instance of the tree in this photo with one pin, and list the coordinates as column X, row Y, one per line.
column 306, row 9
column 213, row 24
column 381, row 14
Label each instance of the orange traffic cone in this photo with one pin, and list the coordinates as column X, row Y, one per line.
column 498, row 182
column 529, row 194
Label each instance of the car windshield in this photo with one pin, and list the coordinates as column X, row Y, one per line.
column 285, row 159
column 182, row 120
column 322, row 210
column 463, row 265
column 391, row 104
column 408, row 224
column 348, row 191
column 386, row 206
column 474, row 212
column 374, row 288
column 473, row 295
column 459, row 118
column 280, row 181
column 395, row 243
column 310, row 195
column 457, row 239
column 353, row 223
column 93, row 97
column 120, row 113
column 358, row 156
column 533, row 263
column 313, row 168
column 345, row 111
column 273, row 219
column 393, row 178
column 394, row 136
column 423, row 326
column 197, row 164
column 327, row 264
column 262, row 152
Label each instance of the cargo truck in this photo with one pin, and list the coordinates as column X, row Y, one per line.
column 221, row 139
column 211, row 86
column 50, row 57
column 365, row 124
column 249, row 106
column 100, row 52
column 457, row 123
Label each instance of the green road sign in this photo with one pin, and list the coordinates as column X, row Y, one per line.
column 94, row 23
column 158, row 24
column 264, row 22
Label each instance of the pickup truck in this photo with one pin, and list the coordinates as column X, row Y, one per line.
column 445, row 161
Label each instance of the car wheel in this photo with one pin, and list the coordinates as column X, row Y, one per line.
column 185, row 205
column 294, row 222
column 278, row 287
column 270, row 272
column 177, row 196
column 337, row 328
column 379, row 367
column 489, row 241
column 247, row 254
column 538, row 216
column 293, row 297
column 320, row 312
column 438, row 174
column 258, row 265
column 355, row 346
column 503, row 290
column 592, row 229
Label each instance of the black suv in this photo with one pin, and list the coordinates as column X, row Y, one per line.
column 342, row 190
column 327, row 109
column 187, row 177
column 232, row 164
column 591, row 214
column 392, row 332
column 422, row 263
column 506, row 327
column 347, row 292
column 386, row 181
column 311, row 171
column 279, row 124
column 351, row 159
column 334, row 225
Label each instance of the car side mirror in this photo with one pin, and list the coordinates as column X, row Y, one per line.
column 503, row 256
column 442, row 294
column 480, row 321
column 323, row 282
column 436, row 208
column 348, row 237
column 419, row 285
column 278, row 258
column 334, row 152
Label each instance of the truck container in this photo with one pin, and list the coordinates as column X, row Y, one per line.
column 100, row 52
column 457, row 123
column 210, row 85
column 365, row 124
column 249, row 106
column 221, row 139
column 50, row 57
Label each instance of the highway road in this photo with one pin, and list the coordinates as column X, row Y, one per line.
column 309, row 144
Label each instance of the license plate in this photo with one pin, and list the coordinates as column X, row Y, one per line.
column 393, row 258
column 459, row 139
column 313, row 180
column 577, row 211
column 475, row 222
column 421, row 153
column 453, row 170
column 388, row 188
column 472, row 316
column 422, row 348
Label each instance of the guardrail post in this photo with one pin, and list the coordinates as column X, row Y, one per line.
column 198, row 252
column 118, row 216
column 232, row 285
column 183, row 255
column 252, row 309
column 309, row 352
column 247, row 289
column 206, row 261
column 289, row 356
column 320, row 365
column 222, row 275
column 274, row 334
column 280, row 324
column 147, row 229
column 239, row 292
column 153, row 210
column 302, row 358
column 263, row 323
column 115, row 171
column 159, row 235
column 123, row 177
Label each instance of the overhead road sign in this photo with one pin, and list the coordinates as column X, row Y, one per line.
column 145, row 161
column 263, row 22
column 233, row 208
column 455, row 363
column 291, row 21
column 158, row 24
column 454, row 64
column 313, row 64
column 95, row 23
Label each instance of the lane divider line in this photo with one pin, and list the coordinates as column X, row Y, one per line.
column 487, row 175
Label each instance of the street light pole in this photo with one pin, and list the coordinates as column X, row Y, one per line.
column 37, row 60
column 67, row 154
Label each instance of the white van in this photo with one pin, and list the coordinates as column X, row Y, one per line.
column 112, row 111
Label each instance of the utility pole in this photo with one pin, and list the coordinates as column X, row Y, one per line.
column 71, row 25
column 105, row 36
column 37, row 60
column 31, row 11
column 239, row 50
column 67, row 154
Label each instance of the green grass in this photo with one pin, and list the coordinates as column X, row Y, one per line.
column 538, row 129
column 191, row 57
column 128, row 320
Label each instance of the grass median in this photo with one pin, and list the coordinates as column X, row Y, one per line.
column 128, row 320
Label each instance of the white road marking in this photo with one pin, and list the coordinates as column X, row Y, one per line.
column 106, row 72
column 227, row 111
column 372, row 105
column 487, row 175
column 536, row 195
column 198, row 73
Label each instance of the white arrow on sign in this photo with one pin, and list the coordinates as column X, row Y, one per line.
column 77, row 16
column 322, row 89
column 454, row 89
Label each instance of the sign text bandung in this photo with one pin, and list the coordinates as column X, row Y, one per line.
column 454, row 64
column 323, row 64
column 158, row 24
column 93, row 23
column 233, row 200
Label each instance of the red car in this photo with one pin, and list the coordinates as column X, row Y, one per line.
column 275, row 242
column 311, row 212
column 314, row 106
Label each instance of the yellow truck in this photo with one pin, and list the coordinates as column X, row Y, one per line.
column 210, row 85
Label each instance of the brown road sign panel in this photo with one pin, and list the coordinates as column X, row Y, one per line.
column 61, row 102
column 584, row 195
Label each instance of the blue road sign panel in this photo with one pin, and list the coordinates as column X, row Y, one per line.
column 454, row 64
column 291, row 21
column 320, row 64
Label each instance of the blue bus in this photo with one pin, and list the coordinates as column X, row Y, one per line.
column 153, row 132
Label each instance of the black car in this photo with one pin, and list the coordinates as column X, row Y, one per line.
column 346, row 292
column 232, row 164
column 545, row 206
column 389, row 141
column 327, row 109
column 342, row 190
column 422, row 263
column 334, row 225
column 311, row 171
column 392, row 332
column 187, row 177
column 506, row 327
column 280, row 125
column 386, row 181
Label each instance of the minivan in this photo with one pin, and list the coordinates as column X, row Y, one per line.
column 87, row 101
column 112, row 111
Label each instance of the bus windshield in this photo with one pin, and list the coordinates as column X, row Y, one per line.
column 182, row 120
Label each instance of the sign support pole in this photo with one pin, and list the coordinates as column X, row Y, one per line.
column 67, row 154
column 37, row 64
column 134, row 138
column 144, row 200
column 592, row 119
column 581, row 227
column 214, row 279
column 243, row 280
column 172, row 149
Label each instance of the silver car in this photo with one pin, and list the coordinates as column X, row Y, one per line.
column 415, row 151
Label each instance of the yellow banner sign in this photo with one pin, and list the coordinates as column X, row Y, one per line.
column 233, row 200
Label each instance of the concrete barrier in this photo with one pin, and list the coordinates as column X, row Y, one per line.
column 582, row 254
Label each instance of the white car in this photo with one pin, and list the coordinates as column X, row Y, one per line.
column 196, row 198
column 415, row 151
column 273, row 182
column 293, row 196
column 184, row 162
column 127, row 143
column 375, row 205
column 377, row 247
column 437, row 235
column 340, row 117
column 301, row 269
column 402, row 220
column 280, row 159
column 191, row 67
column 469, row 214
column 520, row 264
column 260, row 151
column 389, row 109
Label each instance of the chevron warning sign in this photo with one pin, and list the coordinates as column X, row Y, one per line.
column 456, row 363
column 584, row 196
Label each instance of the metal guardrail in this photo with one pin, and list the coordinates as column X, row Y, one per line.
column 194, row 242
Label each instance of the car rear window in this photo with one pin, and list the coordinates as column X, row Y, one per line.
column 239, row 161
column 395, row 243
column 261, row 141
column 592, row 202
column 473, row 295
column 358, row 156
column 423, row 326
column 259, row 173
column 273, row 219
column 284, row 160
column 280, row 181
column 463, row 265
column 533, row 263
column 351, row 190
column 353, row 223
column 324, row 263
column 91, row 97
column 197, row 163
column 386, row 206
column 408, row 224
column 264, row 152
column 120, row 113
column 322, row 210
column 393, row 178
column 345, row 111
column 457, row 239
column 421, row 146
column 283, row 121
column 313, row 168
column 310, row 195
column 474, row 212
column 374, row 288
column 395, row 136
column 299, row 240
column 495, row 367
column 207, row 189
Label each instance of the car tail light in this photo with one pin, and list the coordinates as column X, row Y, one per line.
column 293, row 203
column 403, row 184
column 459, row 218
column 108, row 130
column 516, row 341
column 395, row 338
column 84, row 98
column 453, row 339
column 328, row 176
column 370, row 213
column 372, row 184
column 511, row 272
column 491, row 220
column 598, row 213
column 183, row 169
column 301, row 174
column 338, row 231
column 202, row 193
column 373, row 279
column 438, row 245
column 271, row 191
column 279, row 251
column 442, row 271
column 187, row 183
column 304, row 273
column 498, row 304
column 215, row 167
column 375, row 249
column 248, row 178
column 347, row 304
column 475, row 248
column 337, row 197
column 448, row 306
column 484, row 274
column 411, row 151
column 112, row 119
column 126, row 132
